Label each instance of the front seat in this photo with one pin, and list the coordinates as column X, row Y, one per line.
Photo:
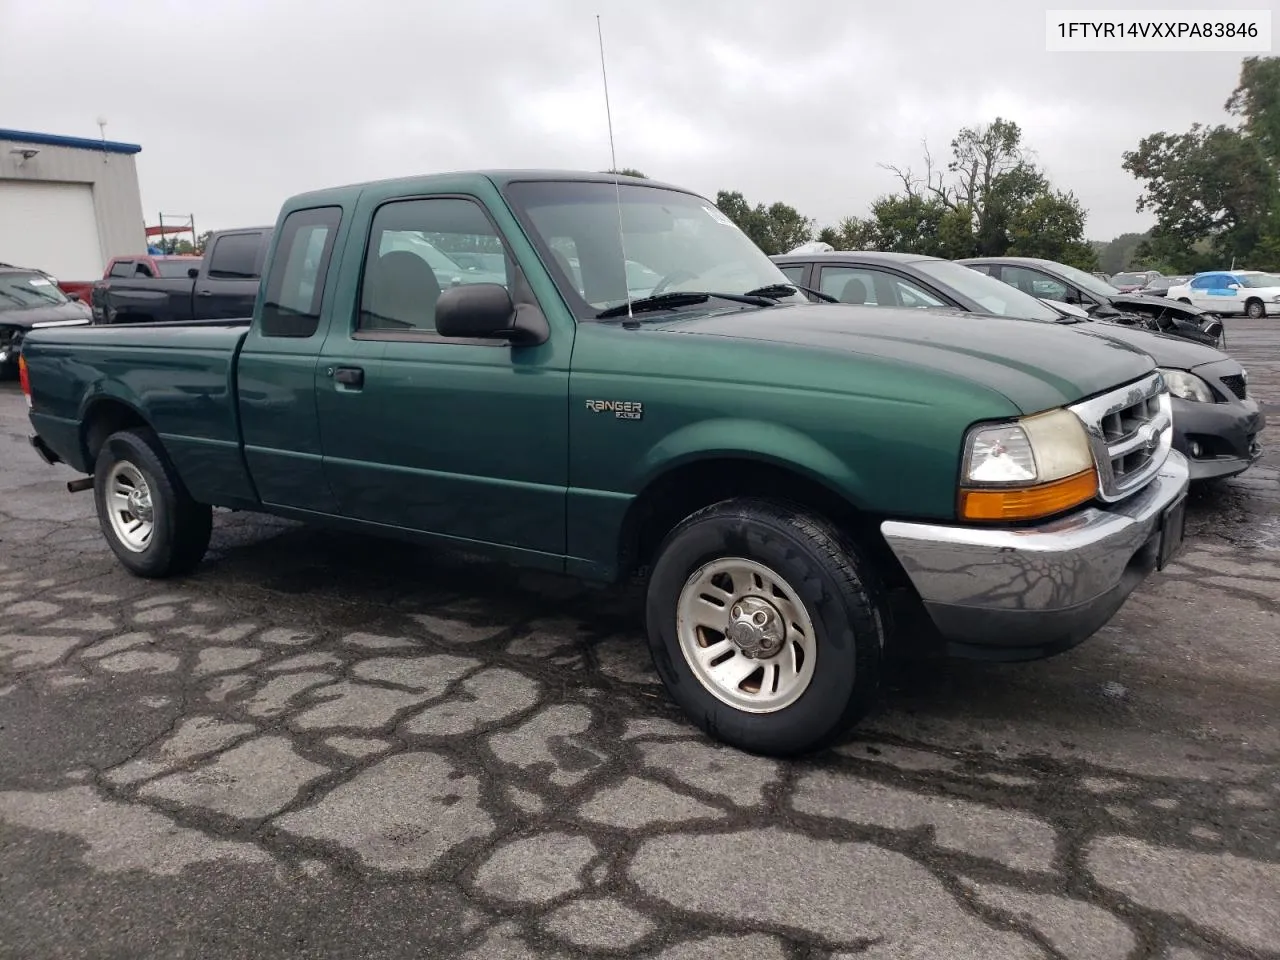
column 402, row 291
column 855, row 291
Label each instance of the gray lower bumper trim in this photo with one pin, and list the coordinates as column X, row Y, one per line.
column 1037, row 587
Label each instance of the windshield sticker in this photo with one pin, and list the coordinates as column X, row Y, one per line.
column 718, row 216
column 40, row 282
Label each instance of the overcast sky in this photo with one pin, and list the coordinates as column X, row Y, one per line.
column 239, row 103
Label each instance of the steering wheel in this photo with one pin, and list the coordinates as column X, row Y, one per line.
column 671, row 277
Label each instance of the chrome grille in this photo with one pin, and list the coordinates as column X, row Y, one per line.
column 1131, row 432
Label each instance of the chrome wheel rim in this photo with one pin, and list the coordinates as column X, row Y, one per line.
column 129, row 506
column 746, row 635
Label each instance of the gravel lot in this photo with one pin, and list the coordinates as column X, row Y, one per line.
column 324, row 746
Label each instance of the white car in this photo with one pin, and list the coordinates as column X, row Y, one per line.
column 1248, row 292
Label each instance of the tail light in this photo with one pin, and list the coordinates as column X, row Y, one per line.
column 24, row 378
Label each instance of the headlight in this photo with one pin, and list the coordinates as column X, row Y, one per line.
column 1030, row 468
column 1187, row 386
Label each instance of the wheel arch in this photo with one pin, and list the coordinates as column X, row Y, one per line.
column 690, row 483
column 103, row 416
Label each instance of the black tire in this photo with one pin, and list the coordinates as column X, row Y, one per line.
column 1184, row 300
column 180, row 527
column 1254, row 310
column 842, row 596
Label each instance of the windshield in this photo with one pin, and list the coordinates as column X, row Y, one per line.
column 673, row 242
column 994, row 295
column 1259, row 280
column 1086, row 281
column 21, row 290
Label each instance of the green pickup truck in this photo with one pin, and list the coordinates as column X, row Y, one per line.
column 776, row 471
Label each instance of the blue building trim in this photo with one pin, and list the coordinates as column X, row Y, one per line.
column 76, row 143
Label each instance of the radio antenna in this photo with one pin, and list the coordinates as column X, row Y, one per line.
column 613, row 169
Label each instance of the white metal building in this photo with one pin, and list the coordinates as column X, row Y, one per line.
column 68, row 204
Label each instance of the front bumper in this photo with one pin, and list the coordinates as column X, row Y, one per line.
column 1226, row 435
column 1028, row 593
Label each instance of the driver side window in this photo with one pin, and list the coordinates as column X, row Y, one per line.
column 417, row 249
column 849, row 285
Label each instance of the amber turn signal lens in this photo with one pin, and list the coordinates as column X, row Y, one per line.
column 1029, row 503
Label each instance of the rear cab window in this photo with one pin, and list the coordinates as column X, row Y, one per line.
column 295, row 286
column 235, row 256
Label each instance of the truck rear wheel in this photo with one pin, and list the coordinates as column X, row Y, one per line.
column 767, row 626
column 150, row 521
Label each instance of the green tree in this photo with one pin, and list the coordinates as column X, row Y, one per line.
column 852, row 234
column 774, row 229
column 1256, row 99
column 627, row 172
column 1119, row 254
column 1214, row 189
column 1051, row 227
column 990, row 199
column 1208, row 183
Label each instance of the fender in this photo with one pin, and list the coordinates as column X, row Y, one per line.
column 754, row 439
column 105, row 393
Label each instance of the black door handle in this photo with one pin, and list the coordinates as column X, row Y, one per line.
column 349, row 376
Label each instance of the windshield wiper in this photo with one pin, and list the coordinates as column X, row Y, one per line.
column 784, row 290
column 681, row 298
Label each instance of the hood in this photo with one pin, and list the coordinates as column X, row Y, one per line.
column 1167, row 351
column 1121, row 301
column 29, row 316
column 1035, row 365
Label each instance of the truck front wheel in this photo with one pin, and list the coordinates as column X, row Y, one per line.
column 767, row 626
column 150, row 521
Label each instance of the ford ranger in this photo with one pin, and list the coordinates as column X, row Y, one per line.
column 771, row 469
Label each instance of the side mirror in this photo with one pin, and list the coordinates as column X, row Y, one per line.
column 193, row 272
column 73, row 296
column 1233, row 286
column 485, row 311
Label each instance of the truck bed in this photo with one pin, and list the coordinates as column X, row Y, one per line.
column 179, row 377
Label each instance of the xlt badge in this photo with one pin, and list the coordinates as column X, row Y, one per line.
column 622, row 409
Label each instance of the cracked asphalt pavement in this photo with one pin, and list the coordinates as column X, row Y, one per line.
column 321, row 745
